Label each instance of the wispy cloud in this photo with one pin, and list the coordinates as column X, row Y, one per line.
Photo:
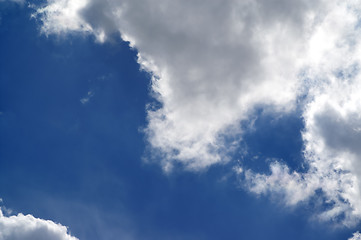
column 15, row 1
column 86, row 99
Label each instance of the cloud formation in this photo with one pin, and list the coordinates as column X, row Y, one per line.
column 86, row 99
column 27, row 227
column 356, row 236
column 210, row 65
column 213, row 64
column 332, row 133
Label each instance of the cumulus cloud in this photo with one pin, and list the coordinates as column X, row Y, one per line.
column 212, row 64
column 332, row 136
column 20, row 227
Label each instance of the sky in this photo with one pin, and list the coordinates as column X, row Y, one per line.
column 189, row 120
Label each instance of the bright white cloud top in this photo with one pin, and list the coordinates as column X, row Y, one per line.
column 27, row 227
column 332, row 135
column 356, row 236
column 213, row 62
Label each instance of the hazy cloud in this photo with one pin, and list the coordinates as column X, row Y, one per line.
column 16, row 1
column 86, row 99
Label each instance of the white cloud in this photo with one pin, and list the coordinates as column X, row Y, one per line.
column 86, row 99
column 213, row 63
column 62, row 16
column 27, row 227
column 356, row 236
column 290, row 185
column 332, row 116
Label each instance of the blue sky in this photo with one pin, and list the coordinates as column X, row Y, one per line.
column 115, row 142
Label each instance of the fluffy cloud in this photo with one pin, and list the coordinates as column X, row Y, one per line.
column 27, row 227
column 332, row 134
column 212, row 64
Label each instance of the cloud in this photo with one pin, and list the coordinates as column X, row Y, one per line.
column 210, row 64
column 356, row 236
column 15, row 1
column 332, row 136
column 290, row 185
column 213, row 64
column 86, row 99
column 19, row 227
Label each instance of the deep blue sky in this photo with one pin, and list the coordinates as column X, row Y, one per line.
column 81, row 164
